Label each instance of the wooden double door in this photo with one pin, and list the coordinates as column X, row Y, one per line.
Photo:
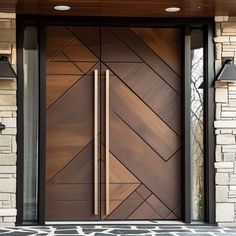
column 113, row 123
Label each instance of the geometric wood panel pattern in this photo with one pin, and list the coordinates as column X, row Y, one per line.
column 69, row 133
column 145, row 122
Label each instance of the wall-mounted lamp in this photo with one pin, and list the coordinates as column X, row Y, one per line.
column 2, row 126
column 228, row 73
column 6, row 70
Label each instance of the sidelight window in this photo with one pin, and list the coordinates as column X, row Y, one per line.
column 31, row 64
column 197, row 124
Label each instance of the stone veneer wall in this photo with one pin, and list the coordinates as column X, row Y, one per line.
column 225, row 125
column 8, row 117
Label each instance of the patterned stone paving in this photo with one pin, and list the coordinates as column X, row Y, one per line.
column 126, row 230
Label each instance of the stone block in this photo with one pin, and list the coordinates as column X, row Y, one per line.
column 13, row 24
column 230, row 171
column 9, row 131
column 9, row 122
column 3, row 224
column 9, row 35
column 219, row 39
column 7, row 212
column 227, row 54
column 7, row 114
column 224, row 165
column 228, row 157
column 8, row 185
column 232, row 194
column 222, row 193
column 14, row 146
column 222, row 178
column 225, row 124
column 229, row 48
column 5, row 140
column 4, row 196
column 219, row 84
column 228, row 114
column 7, row 169
column 7, row 100
column 230, row 146
column 228, row 25
column 8, row 84
column 218, row 66
column 221, row 18
column 232, row 181
column 5, row 24
column 226, row 131
column 8, row 108
column 225, row 139
column 218, row 153
column 228, row 150
column 224, row 212
column 221, row 95
column 232, row 18
column 218, row 29
column 8, row 219
column 232, row 39
column 6, row 176
column 4, row 15
column 5, row 48
column 218, row 47
column 7, row 92
column 218, row 111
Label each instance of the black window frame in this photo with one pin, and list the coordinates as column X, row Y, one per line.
column 186, row 24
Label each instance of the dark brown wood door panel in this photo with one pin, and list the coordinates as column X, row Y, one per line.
column 145, row 122
column 69, row 133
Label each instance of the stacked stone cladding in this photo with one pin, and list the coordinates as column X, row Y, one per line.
column 8, row 115
column 225, row 124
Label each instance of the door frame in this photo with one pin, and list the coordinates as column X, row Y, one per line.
column 186, row 24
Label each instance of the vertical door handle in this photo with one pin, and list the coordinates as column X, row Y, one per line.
column 95, row 142
column 107, row 144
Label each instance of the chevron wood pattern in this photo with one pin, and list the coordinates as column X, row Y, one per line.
column 145, row 122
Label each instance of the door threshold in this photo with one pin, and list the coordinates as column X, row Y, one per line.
column 120, row 222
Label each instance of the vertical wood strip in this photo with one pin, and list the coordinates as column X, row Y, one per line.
column 95, row 142
column 107, row 143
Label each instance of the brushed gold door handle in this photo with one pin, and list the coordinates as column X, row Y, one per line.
column 107, row 144
column 95, row 142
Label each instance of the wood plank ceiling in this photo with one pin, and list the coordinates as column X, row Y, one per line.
column 133, row 8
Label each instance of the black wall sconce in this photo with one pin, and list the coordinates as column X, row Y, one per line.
column 2, row 126
column 228, row 73
column 6, row 70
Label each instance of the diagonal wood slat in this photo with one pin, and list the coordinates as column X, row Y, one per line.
column 144, row 123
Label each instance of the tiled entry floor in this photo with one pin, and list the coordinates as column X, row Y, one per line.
column 126, row 230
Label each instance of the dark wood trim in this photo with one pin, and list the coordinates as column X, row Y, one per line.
column 115, row 21
column 187, row 124
column 42, row 124
column 187, row 24
column 209, row 116
column 20, row 122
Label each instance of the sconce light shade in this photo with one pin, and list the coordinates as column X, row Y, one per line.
column 6, row 71
column 228, row 73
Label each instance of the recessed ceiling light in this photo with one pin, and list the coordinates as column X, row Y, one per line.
column 62, row 8
column 172, row 9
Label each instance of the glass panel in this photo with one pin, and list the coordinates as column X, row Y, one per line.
column 197, row 127
column 30, row 59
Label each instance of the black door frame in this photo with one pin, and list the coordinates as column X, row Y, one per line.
column 186, row 24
